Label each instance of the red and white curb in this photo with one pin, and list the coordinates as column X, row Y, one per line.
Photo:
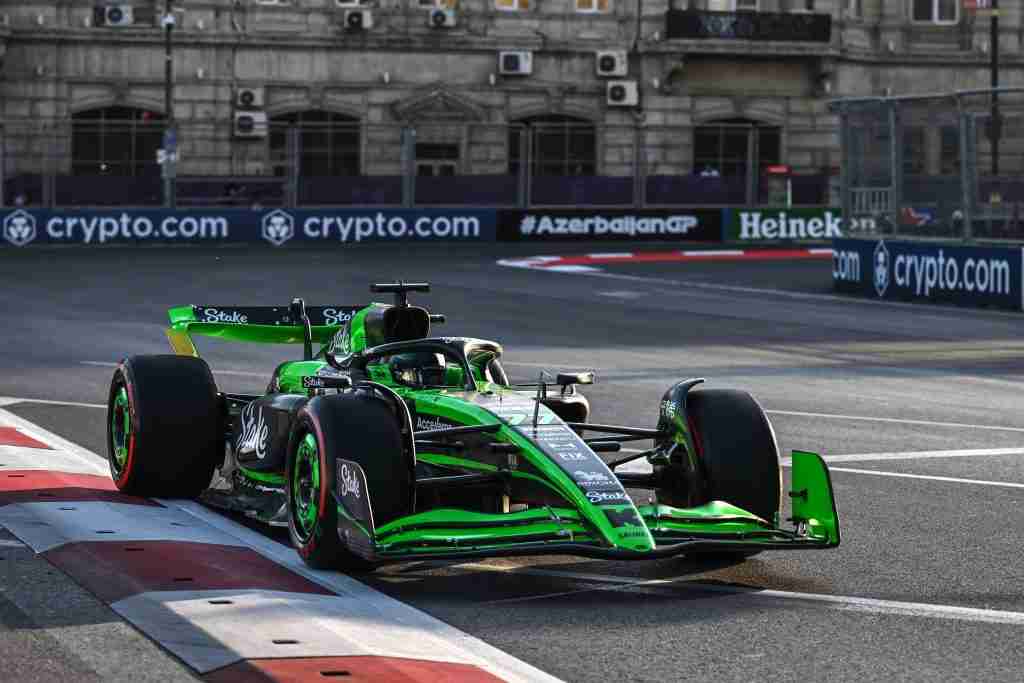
column 589, row 262
column 231, row 603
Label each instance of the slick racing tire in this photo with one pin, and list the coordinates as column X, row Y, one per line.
column 350, row 426
column 164, row 426
column 737, row 447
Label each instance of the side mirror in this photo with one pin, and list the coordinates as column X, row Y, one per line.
column 565, row 379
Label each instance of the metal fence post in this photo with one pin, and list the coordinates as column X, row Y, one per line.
column 751, row 190
column 293, row 156
column 3, row 164
column 408, row 156
column 967, row 168
column 50, row 175
column 896, row 158
column 527, row 166
column 638, row 156
column 845, row 177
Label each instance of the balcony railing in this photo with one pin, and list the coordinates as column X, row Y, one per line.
column 763, row 26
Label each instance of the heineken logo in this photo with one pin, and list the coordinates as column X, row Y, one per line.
column 784, row 225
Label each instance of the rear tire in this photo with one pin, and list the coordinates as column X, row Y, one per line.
column 164, row 426
column 353, row 427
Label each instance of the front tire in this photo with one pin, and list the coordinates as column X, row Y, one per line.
column 738, row 450
column 164, row 427
column 353, row 427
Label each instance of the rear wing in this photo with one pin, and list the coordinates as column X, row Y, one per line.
column 255, row 324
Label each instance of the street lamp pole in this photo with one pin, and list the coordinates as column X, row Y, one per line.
column 170, row 142
column 996, row 123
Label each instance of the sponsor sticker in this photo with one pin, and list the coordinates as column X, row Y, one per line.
column 927, row 271
column 254, row 434
column 19, row 228
column 610, row 225
column 276, row 227
column 763, row 225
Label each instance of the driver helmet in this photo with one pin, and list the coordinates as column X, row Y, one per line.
column 421, row 368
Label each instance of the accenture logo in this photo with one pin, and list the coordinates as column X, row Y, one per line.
column 278, row 227
column 19, row 228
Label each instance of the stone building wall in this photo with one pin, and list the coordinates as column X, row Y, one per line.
column 403, row 72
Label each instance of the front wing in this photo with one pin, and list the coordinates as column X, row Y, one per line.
column 714, row 527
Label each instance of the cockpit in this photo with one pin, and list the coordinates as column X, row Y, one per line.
column 391, row 343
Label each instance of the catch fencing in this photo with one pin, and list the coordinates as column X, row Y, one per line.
column 103, row 162
column 943, row 166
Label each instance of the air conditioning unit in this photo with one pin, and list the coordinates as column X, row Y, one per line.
column 113, row 15
column 517, row 63
column 441, row 18
column 249, row 98
column 622, row 94
column 611, row 63
column 250, row 124
column 358, row 19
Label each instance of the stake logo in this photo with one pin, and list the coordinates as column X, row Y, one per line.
column 278, row 227
column 350, row 482
column 882, row 263
column 20, row 228
column 254, row 433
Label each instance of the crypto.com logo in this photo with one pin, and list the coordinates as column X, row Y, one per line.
column 278, row 227
column 19, row 228
column 882, row 264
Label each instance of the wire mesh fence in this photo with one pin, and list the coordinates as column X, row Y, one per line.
column 110, row 158
column 948, row 165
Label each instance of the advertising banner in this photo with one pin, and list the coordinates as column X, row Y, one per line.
column 927, row 271
column 776, row 224
column 596, row 225
column 23, row 227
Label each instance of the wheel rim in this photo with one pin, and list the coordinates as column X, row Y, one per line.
column 306, row 487
column 120, row 429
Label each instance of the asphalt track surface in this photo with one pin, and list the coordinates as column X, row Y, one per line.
column 928, row 582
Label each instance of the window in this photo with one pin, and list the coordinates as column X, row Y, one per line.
column 732, row 5
column 913, row 150
column 560, row 146
column 328, row 143
column 936, row 11
column 593, row 6
column 437, row 159
column 949, row 150
column 119, row 141
column 512, row 5
column 722, row 148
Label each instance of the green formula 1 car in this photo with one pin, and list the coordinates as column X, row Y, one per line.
column 388, row 444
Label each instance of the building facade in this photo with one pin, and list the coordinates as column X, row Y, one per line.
column 508, row 90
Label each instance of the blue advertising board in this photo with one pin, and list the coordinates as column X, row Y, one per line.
column 928, row 271
column 23, row 227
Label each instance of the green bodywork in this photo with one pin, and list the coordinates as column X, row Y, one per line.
column 578, row 526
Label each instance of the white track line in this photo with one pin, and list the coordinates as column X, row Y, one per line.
column 924, row 455
column 895, row 420
column 83, row 455
column 870, row 605
column 11, row 400
column 929, row 477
